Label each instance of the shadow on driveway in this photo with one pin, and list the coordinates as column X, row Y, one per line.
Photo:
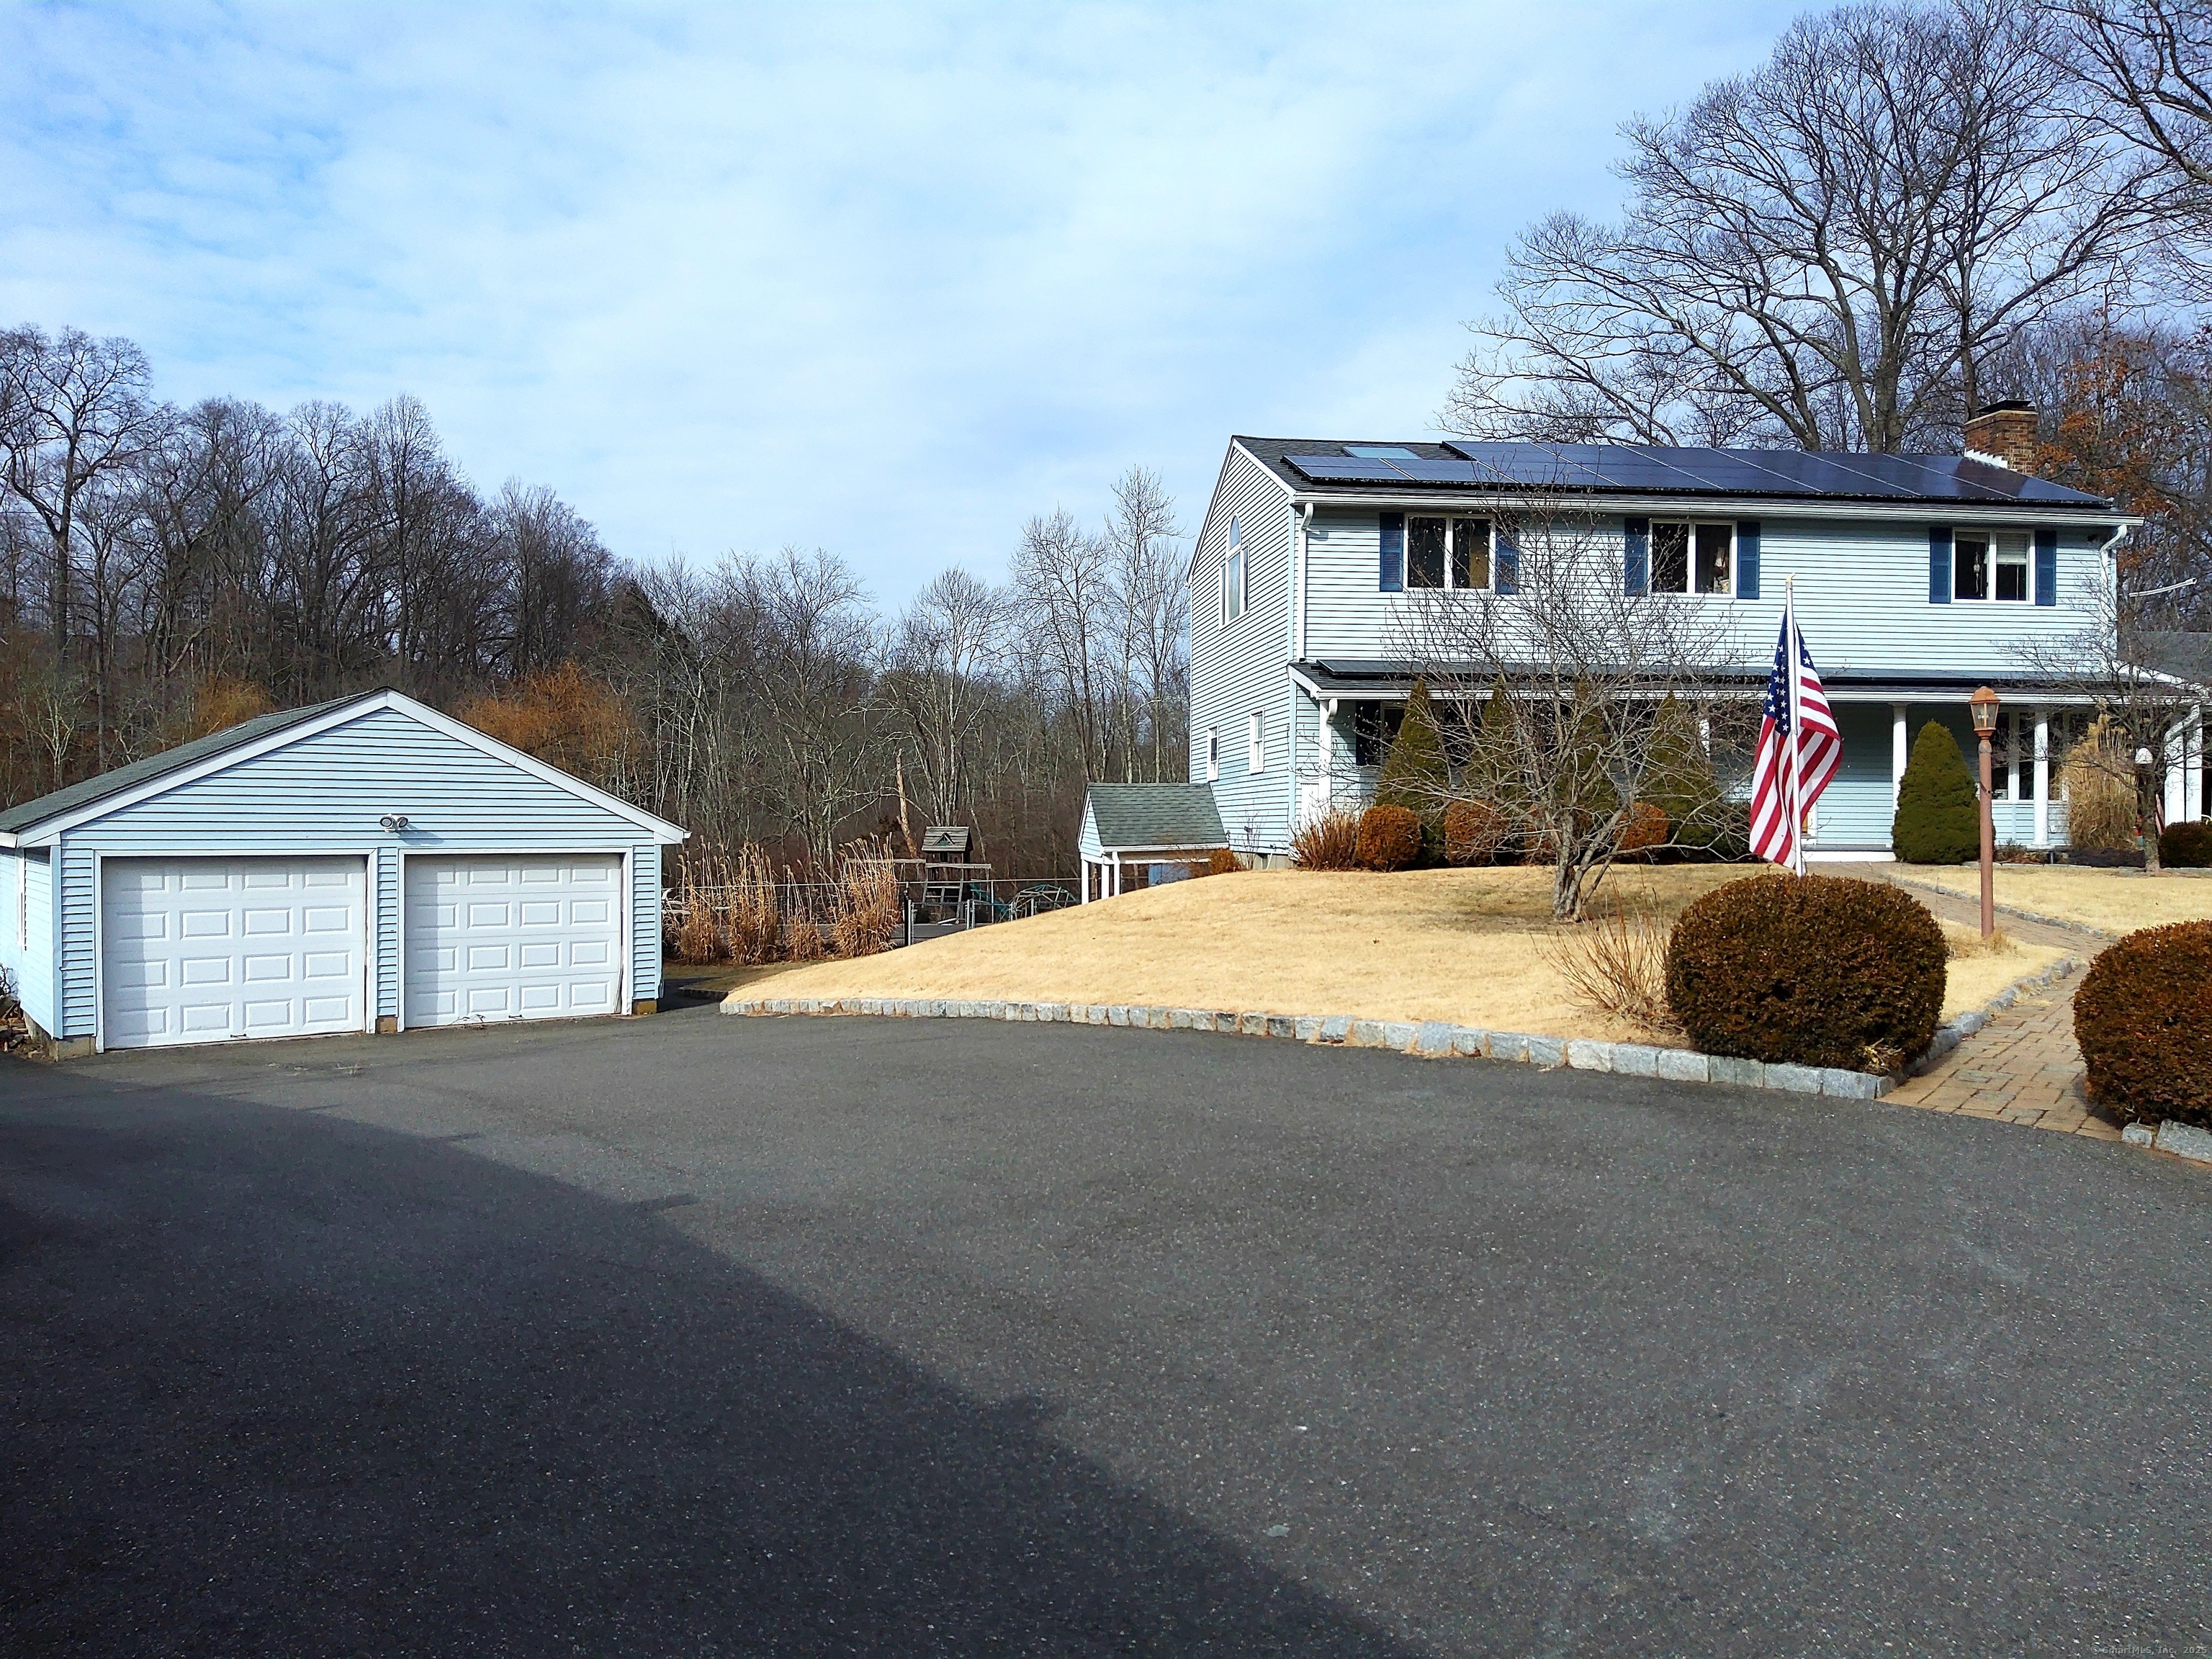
column 280, row 1384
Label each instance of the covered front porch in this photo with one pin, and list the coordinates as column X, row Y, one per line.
column 1852, row 820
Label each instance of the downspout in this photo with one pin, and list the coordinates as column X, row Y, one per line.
column 1301, row 518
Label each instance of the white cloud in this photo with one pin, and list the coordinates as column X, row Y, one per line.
column 878, row 279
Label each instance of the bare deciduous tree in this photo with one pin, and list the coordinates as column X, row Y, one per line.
column 2144, row 67
column 1551, row 695
column 74, row 411
column 1821, row 253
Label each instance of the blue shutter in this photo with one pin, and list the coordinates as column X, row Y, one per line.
column 1508, row 562
column 1636, row 557
column 1747, row 558
column 1394, row 553
column 1939, row 564
column 2046, row 564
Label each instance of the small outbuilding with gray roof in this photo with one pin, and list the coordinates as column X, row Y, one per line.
column 1140, row 835
column 363, row 865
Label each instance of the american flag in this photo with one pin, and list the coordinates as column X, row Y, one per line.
column 1783, row 793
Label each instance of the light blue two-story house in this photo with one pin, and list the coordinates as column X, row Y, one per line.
column 1918, row 579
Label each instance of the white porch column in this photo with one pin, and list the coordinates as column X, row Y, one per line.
column 2012, row 755
column 1900, row 747
column 2177, row 771
column 2043, row 777
column 2193, row 801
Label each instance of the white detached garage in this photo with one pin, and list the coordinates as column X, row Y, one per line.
column 363, row 865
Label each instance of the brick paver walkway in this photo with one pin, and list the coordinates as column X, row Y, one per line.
column 2023, row 1066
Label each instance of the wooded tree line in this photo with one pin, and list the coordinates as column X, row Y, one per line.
column 1909, row 211
column 165, row 572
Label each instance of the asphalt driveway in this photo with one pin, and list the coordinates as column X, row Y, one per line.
column 698, row 1336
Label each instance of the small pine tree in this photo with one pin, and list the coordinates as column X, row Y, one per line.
column 1938, row 816
column 1416, row 774
column 1677, row 777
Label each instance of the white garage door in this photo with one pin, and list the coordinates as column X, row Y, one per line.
column 204, row 950
column 534, row 937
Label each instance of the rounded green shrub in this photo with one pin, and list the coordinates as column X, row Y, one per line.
column 2186, row 846
column 1808, row 970
column 2143, row 1019
column 1938, row 809
column 1390, row 838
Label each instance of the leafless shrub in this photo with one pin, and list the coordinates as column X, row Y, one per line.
column 868, row 914
column 1615, row 962
column 1330, row 841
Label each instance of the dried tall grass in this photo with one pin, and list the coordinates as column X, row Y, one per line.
column 1615, row 962
column 1330, row 841
column 2098, row 777
column 752, row 919
column 725, row 909
column 869, row 914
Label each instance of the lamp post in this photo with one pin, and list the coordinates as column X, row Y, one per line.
column 2146, row 822
column 1985, row 705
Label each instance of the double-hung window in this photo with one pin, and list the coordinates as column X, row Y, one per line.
column 1450, row 553
column 1990, row 564
column 1212, row 755
column 1687, row 557
column 1255, row 745
column 1232, row 575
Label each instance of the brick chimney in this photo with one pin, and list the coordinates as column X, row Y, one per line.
column 2003, row 434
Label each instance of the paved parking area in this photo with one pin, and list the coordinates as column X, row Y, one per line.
column 699, row 1335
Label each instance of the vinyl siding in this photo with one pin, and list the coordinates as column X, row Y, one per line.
column 325, row 793
column 1862, row 596
column 30, row 963
column 1242, row 668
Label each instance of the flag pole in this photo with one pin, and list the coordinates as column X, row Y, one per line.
column 1789, row 649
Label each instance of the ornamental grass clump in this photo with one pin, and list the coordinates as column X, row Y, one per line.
column 1390, row 838
column 868, row 915
column 1808, row 971
column 2143, row 1019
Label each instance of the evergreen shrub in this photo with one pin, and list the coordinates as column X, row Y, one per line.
column 1390, row 838
column 1647, row 827
column 1416, row 774
column 2186, row 846
column 1475, row 831
column 2143, row 1019
column 1938, row 811
column 1808, row 970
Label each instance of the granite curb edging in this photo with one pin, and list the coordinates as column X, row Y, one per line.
column 1425, row 1039
column 1437, row 1039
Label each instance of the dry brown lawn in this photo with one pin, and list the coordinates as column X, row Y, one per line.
column 1461, row 945
column 2117, row 900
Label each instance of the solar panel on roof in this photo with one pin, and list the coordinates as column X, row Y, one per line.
column 1660, row 469
column 1338, row 469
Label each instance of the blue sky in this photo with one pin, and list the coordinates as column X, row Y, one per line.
column 881, row 280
